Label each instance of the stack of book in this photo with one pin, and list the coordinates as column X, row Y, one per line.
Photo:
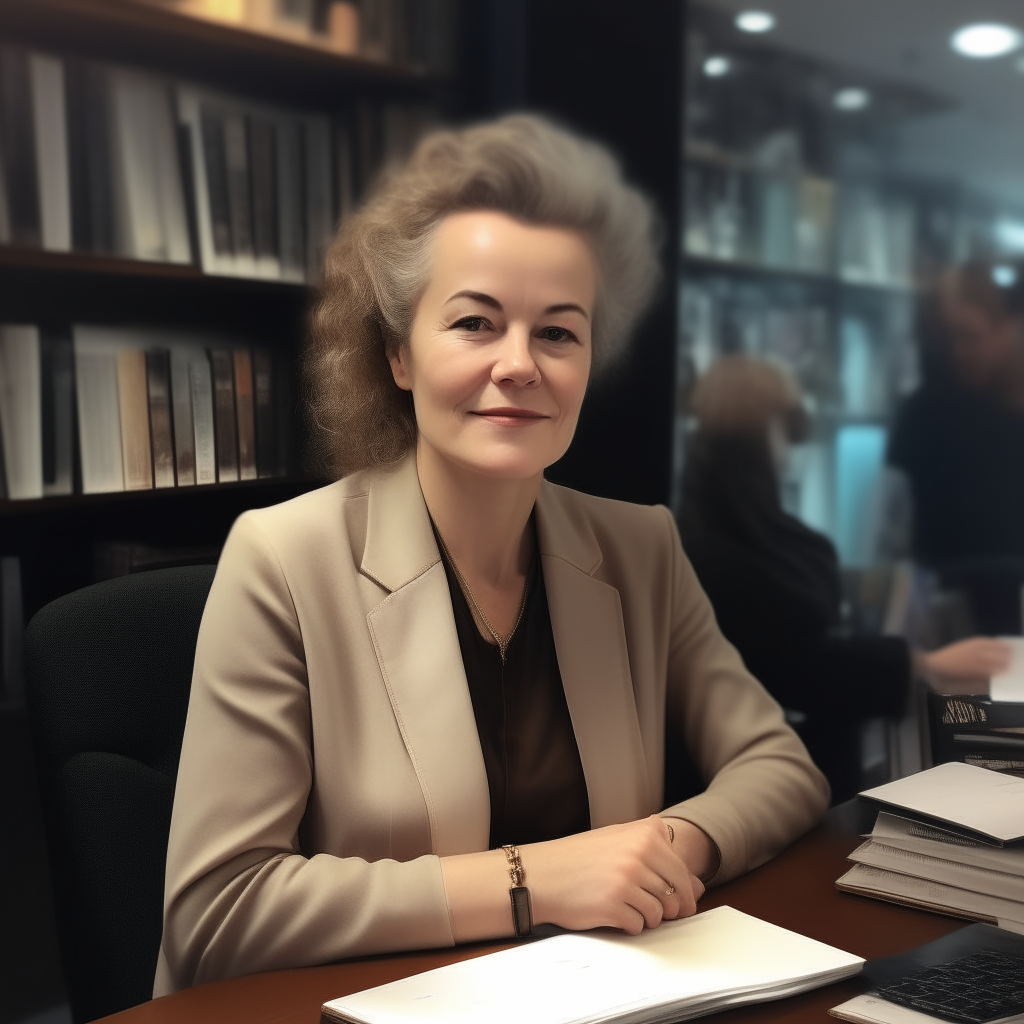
column 412, row 34
column 150, row 408
column 103, row 159
column 949, row 841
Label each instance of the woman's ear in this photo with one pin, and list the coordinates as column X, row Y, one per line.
column 399, row 370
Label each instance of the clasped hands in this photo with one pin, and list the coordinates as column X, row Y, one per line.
column 628, row 876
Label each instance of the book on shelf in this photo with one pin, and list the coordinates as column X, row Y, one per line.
column 153, row 408
column 978, row 730
column 683, row 969
column 105, row 159
column 21, row 418
column 417, row 35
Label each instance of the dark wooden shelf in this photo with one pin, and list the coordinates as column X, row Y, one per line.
column 275, row 488
column 743, row 268
column 14, row 257
column 187, row 47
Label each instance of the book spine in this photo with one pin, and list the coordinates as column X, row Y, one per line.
column 50, row 131
column 215, row 161
column 236, row 155
column 58, row 412
column 17, row 143
column 158, row 382
column 201, row 388
column 169, row 180
column 99, row 158
column 319, row 189
column 291, row 228
column 263, row 164
column 136, row 450
column 20, row 410
column 245, row 412
column 263, row 400
column 184, row 427
column 225, row 423
column 284, row 414
column 99, row 418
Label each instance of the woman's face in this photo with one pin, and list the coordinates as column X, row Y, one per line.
column 499, row 355
column 983, row 347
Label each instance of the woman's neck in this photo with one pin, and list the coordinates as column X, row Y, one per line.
column 482, row 519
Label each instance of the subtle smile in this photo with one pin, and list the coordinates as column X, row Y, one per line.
column 508, row 416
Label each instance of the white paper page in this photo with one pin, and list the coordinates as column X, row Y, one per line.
column 595, row 976
column 1009, row 685
column 962, row 794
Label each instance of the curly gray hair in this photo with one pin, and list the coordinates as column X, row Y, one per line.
column 380, row 263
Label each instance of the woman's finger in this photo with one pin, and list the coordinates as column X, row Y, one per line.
column 649, row 907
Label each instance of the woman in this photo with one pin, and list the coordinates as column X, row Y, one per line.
column 774, row 582
column 441, row 652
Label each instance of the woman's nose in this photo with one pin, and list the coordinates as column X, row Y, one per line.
column 515, row 363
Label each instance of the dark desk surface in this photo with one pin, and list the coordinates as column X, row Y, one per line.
column 795, row 891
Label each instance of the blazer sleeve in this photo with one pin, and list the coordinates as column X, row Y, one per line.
column 240, row 895
column 763, row 790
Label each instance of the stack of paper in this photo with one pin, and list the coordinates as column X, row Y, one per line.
column 682, row 969
column 951, row 850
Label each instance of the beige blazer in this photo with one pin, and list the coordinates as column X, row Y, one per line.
column 331, row 753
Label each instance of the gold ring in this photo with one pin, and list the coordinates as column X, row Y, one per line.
column 671, row 835
column 670, row 891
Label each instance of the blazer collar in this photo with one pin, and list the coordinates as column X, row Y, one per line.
column 400, row 542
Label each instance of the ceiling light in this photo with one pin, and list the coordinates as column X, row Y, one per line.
column 755, row 21
column 985, row 40
column 1004, row 275
column 853, row 98
column 717, row 66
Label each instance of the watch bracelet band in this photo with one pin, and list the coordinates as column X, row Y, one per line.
column 519, row 894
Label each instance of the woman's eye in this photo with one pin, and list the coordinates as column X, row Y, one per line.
column 557, row 334
column 470, row 323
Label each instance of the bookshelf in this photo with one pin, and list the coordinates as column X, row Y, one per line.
column 56, row 538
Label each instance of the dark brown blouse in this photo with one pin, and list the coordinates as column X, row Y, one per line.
column 534, row 773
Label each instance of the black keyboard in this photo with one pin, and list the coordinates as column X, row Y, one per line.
column 975, row 989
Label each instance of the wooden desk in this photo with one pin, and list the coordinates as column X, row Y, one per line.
column 795, row 891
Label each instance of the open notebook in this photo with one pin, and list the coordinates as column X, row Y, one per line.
column 683, row 969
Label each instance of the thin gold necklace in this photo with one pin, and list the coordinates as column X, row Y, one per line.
column 467, row 590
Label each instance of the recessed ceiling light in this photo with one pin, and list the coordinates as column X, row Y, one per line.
column 717, row 66
column 853, row 98
column 755, row 21
column 985, row 40
column 1004, row 275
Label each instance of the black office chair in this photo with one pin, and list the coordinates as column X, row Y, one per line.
column 108, row 671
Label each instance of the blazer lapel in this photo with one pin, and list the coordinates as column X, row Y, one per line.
column 590, row 642
column 417, row 647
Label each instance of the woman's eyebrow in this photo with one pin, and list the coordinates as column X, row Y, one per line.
column 568, row 307
column 481, row 297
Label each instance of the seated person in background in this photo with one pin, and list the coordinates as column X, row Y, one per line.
column 441, row 653
column 959, row 440
column 774, row 583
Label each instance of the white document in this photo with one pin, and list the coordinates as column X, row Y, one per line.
column 923, row 892
column 963, row 795
column 903, row 834
column 1009, row 685
column 679, row 970
column 948, row 871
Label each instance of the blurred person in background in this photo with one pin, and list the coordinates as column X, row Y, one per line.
column 774, row 583
column 959, row 440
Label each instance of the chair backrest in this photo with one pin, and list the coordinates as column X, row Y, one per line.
column 108, row 671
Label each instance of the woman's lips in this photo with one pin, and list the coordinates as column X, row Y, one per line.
column 507, row 416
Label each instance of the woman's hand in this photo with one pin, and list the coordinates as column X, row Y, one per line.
column 964, row 667
column 627, row 876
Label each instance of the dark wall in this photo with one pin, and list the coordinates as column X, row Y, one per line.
column 613, row 71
